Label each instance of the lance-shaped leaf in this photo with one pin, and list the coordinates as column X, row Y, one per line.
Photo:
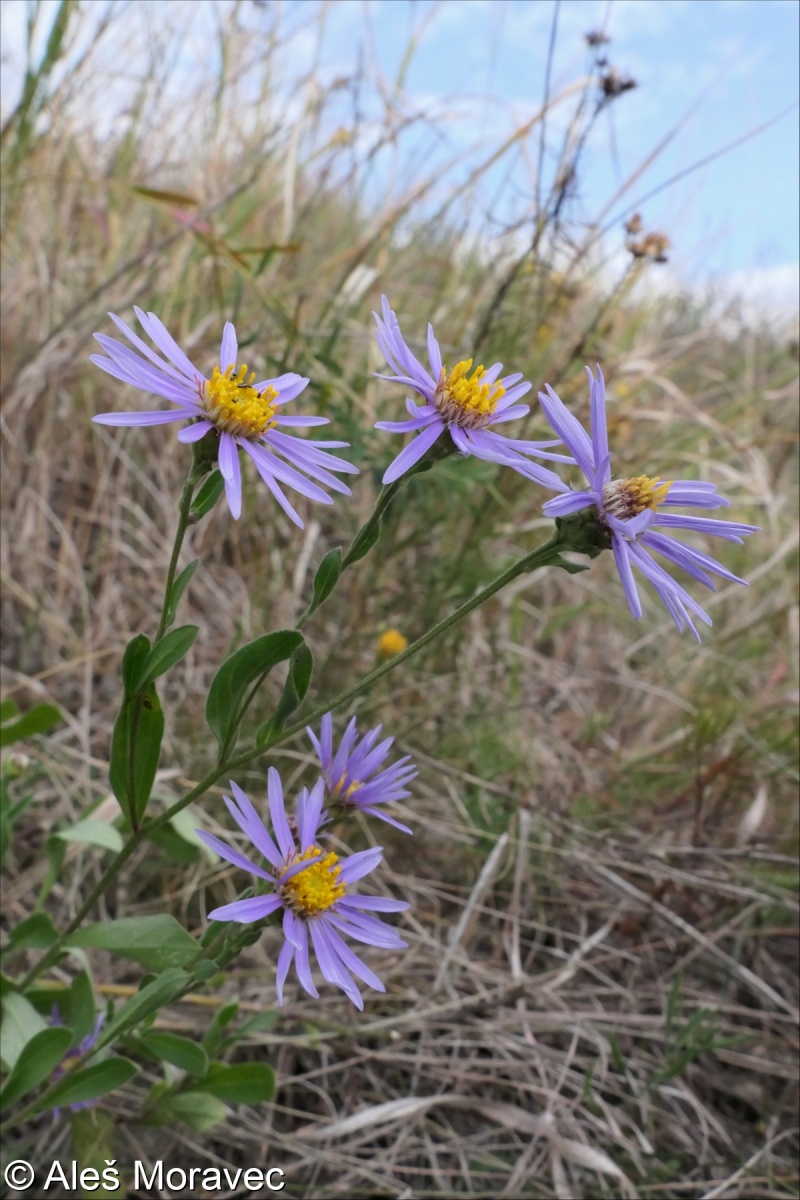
column 38, row 719
column 167, row 652
column 178, row 588
column 239, row 678
column 326, row 578
column 208, row 496
column 135, row 751
column 297, row 683
column 90, row 1083
column 36, row 1062
column 157, row 942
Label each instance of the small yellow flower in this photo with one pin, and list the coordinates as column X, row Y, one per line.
column 390, row 643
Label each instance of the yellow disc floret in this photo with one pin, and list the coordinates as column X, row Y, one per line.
column 626, row 498
column 234, row 406
column 468, row 402
column 315, row 889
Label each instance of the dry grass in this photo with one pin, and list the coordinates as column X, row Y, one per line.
column 600, row 993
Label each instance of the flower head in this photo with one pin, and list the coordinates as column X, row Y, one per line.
column 312, row 886
column 390, row 643
column 241, row 411
column 72, row 1056
column 631, row 510
column 466, row 400
column 351, row 775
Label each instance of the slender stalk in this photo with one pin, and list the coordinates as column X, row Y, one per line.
column 184, row 508
column 546, row 555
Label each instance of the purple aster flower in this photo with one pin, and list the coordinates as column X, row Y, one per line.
column 632, row 512
column 350, row 774
column 311, row 886
column 73, row 1054
column 240, row 411
column 466, row 404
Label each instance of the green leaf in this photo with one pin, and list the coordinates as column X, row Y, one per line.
column 38, row 719
column 327, row 577
column 36, row 932
column 179, row 587
column 297, row 683
column 212, row 1038
column 36, row 1062
column 247, row 1083
column 205, row 969
column 93, row 833
column 21, row 1023
column 180, row 1051
column 208, row 495
column 196, row 1109
column 82, row 1009
column 239, row 677
column 153, row 996
column 91, row 1082
column 135, row 751
column 8, row 709
column 167, row 652
column 362, row 546
column 570, row 567
column 157, row 942
column 133, row 660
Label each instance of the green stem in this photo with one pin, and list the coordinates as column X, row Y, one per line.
column 184, row 509
column 544, row 556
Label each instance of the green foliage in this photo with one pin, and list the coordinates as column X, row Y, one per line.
column 181, row 1052
column 238, row 679
column 245, row 1083
column 21, row 1022
column 202, row 504
column 326, row 578
column 152, row 996
column 15, row 728
column 157, row 942
column 166, row 653
column 136, row 739
column 199, row 1110
column 90, row 1083
column 179, row 586
column 36, row 1061
column 298, row 679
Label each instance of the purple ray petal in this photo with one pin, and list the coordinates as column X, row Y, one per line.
column 230, row 855
column 253, row 909
column 228, row 348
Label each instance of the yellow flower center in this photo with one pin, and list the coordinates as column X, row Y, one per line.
column 234, row 406
column 626, row 498
column 340, row 795
column 315, row 889
column 464, row 400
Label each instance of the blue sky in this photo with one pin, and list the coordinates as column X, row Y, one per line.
column 477, row 71
column 738, row 58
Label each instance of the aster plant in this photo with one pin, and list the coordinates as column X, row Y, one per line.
column 466, row 401
column 300, row 878
column 311, row 887
column 631, row 511
column 352, row 773
column 239, row 411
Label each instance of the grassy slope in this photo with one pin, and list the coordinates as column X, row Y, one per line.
column 595, row 934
